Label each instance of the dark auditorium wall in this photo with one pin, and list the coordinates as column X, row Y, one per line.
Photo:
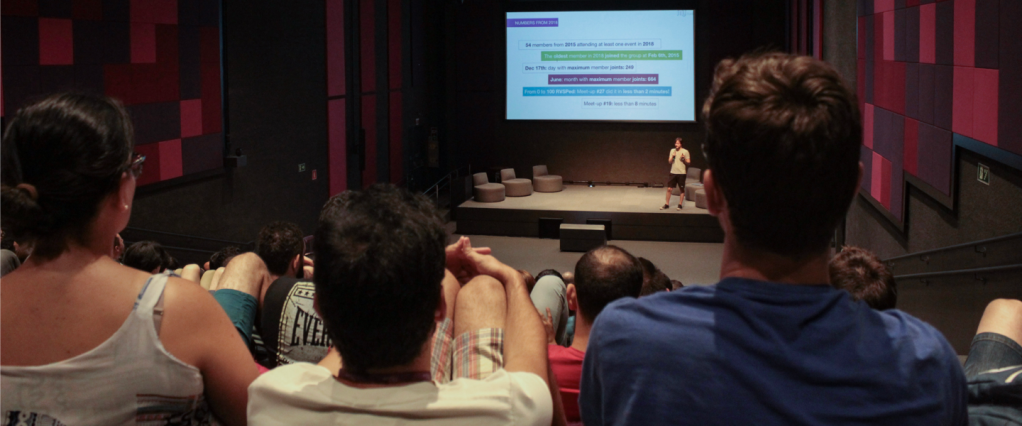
column 601, row 151
column 276, row 113
column 982, row 211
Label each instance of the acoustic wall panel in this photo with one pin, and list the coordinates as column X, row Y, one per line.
column 928, row 71
column 161, row 58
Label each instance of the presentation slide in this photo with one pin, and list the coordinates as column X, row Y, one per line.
column 606, row 65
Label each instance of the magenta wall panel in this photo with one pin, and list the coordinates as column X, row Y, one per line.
column 337, row 145
column 929, row 70
column 335, row 48
column 132, row 50
column 56, row 42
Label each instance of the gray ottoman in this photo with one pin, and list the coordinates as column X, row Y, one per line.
column 544, row 182
column 690, row 190
column 515, row 187
column 701, row 199
column 486, row 192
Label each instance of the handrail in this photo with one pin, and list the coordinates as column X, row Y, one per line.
column 955, row 247
column 185, row 236
column 443, row 182
column 992, row 269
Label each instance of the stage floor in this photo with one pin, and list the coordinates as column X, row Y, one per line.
column 624, row 199
column 634, row 213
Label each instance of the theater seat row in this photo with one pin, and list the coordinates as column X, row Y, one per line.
column 486, row 192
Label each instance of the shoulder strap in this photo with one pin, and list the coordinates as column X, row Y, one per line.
column 150, row 300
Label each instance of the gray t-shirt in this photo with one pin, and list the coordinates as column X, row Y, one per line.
column 679, row 166
column 8, row 262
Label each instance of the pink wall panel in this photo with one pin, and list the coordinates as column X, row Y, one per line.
column 965, row 33
column 882, row 5
column 337, row 149
column 335, row 48
column 927, row 33
column 170, row 159
column 56, row 42
column 888, row 20
column 191, row 118
column 143, row 43
column 876, row 177
column 964, row 96
column 885, row 185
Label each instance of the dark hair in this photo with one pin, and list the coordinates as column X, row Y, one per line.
column 530, row 281
column 861, row 273
column 278, row 244
column 676, row 284
column 71, row 149
column 603, row 275
column 146, row 256
column 380, row 263
column 653, row 279
column 546, row 272
column 782, row 140
column 222, row 256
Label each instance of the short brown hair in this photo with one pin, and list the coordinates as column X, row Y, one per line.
column 782, row 141
column 861, row 273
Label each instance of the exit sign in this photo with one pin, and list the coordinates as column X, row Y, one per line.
column 983, row 173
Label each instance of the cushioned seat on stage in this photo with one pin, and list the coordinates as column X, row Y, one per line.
column 690, row 190
column 515, row 187
column 544, row 182
column 484, row 191
column 701, row 198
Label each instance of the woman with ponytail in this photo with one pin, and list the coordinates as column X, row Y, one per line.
column 84, row 340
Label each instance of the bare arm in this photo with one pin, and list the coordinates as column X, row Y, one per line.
column 196, row 330
column 670, row 158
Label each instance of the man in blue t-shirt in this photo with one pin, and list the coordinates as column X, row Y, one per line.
column 772, row 342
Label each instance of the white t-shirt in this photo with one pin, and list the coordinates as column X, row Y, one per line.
column 308, row 394
column 678, row 167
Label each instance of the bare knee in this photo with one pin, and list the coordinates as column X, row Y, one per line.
column 481, row 303
column 1003, row 316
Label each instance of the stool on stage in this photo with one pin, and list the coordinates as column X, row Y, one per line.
column 701, row 199
column 545, row 182
column 486, row 192
column 515, row 187
column 690, row 190
column 577, row 237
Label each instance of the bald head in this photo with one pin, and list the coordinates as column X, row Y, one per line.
column 603, row 275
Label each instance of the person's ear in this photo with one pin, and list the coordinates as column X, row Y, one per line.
column 296, row 264
column 715, row 201
column 572, row 298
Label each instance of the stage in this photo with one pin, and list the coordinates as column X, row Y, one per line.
column 634, row 213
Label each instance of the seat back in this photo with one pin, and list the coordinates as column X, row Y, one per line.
column 569, row 397
column 539, row 171
column 507, row 174
column 480, row 179
column 695, row 174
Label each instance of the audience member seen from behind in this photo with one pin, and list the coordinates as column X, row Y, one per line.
column 550, row 297
column 653, row 279
column 146, row 256
column 864, row 276
column 379, row 285
column 291, row 329
column 994, row 366
column 68, row 178
column 772, row 342
column 602, row 275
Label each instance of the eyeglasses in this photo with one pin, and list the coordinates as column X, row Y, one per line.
column 136, row 164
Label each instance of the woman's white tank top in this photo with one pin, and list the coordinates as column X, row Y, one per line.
column 129, row 379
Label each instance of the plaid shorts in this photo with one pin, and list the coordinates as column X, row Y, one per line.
column 474, row 355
